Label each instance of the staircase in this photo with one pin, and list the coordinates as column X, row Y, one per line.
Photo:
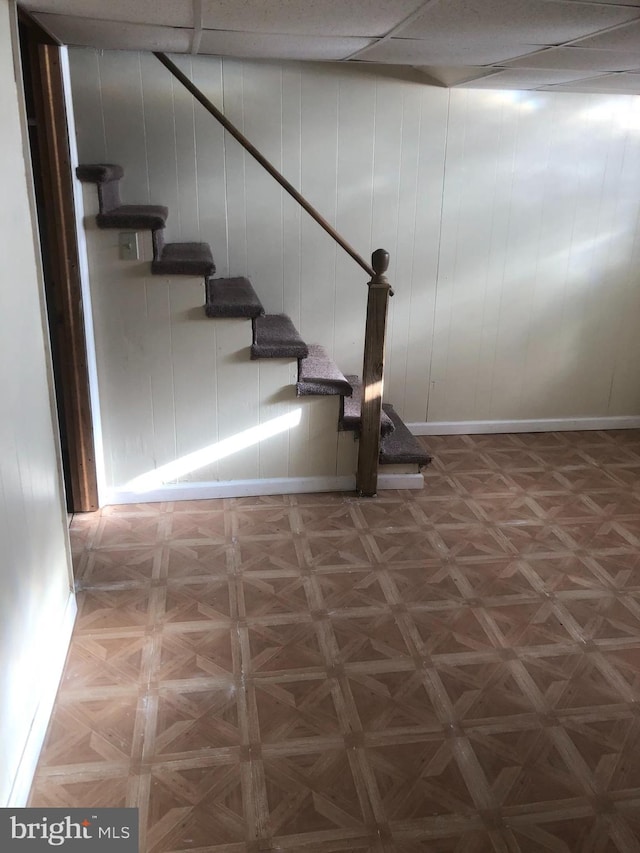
column 273, row 335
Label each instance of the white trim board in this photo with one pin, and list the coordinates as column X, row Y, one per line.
column 400, row 481
column 253, row 488
column 49, row 688
column 541, row 425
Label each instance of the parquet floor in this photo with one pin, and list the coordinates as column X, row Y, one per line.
column 456, row 669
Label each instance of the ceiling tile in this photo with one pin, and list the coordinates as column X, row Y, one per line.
column 531, row 21
column 108, row 35
column 327, row 17
column 170, row 13
column 268, row 46
column 524, row 78
column 622, row 38
column 618, row 84
column 580, row 58
column 444, row 51
column 450, row 75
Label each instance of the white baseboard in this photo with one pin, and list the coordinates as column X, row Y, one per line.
column 253, row 488
column 541, row 425
column 234, row 489
column 400, row 481
column 48, row 689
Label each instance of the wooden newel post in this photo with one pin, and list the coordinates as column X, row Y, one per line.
column 372, row 376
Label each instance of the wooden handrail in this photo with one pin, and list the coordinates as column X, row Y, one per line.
column 248, row 146
column 372, row 376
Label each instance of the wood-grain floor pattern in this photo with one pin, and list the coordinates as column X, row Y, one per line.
column 455, row 669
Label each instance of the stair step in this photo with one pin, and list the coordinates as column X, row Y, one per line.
column 231, row 297
column 318, row 374
column 99, row 173
column 352, row 410
column 134, row 216
column 400, row 447
column 275, row 336
column 184, row 259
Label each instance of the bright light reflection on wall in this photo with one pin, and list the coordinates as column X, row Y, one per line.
column 205, row 456
column 621, row 113
column 523, row 100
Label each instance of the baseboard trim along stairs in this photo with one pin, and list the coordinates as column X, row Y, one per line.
column 535, row 425
column 273, row 336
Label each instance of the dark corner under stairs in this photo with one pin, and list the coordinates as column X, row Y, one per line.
column 274, row 335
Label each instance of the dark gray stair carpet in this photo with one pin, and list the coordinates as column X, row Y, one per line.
column 141, row 216
column 318, row 374
column 352, row 410
column 99, row 173
column 231, row 297
column 400, row 447
column 106, row 177
column 172, row 259
column 184, row 259
column 275, row 336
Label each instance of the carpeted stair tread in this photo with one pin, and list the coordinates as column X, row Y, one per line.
column 99, row 173
column 184, row 259
column 318, row 374
column 352, row 409
column 231, row 297
column 400, row 447
column 275, row 336
column 142, row 216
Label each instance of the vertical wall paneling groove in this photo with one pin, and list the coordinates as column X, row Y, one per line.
column 319, row 107
column 512, row 219
column 291, row 212
column 432, row 138
column 210, row 165
column 354, row 177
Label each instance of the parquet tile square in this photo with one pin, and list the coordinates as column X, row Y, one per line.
column 195, row 721
column 459, row 630
column 199, row 525
column 425, row 583
column 368, row 638
column 107, row 658
column 455, row 669
column 289, row 646
column 273, row 522
column 201, row 650
column 343, row 590
column 184, row 560
column 262, row 594
column 395, row 702
column 109, row 608
column 483, row 692
column 314, row 792
column 112, row 566
column 525, row 767
column 420, row 779
column 200, row 599
column 189, row 805
column 290, row 709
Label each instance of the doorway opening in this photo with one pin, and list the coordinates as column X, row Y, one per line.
column 53, row 186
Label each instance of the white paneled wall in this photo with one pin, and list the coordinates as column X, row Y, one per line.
column 37, row 605
column 512, row 220
column 537, row 282
column 176, row 385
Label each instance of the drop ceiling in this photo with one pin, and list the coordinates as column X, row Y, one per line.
column 560, row 45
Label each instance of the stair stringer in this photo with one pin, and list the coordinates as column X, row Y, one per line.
column 169, row 379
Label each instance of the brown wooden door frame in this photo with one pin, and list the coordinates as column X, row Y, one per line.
column 54, row 184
